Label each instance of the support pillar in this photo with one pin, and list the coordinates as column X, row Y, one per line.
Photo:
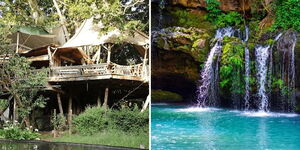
column 146, row 103
column 18, row 37
column 108, row 53
column 70, row 111
column 59, row 104
column 98, row 101
column 14, row 111
column 105, row 104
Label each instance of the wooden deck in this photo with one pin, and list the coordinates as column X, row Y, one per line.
column 99, row 72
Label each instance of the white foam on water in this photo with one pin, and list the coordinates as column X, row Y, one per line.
column 197, row 109
column 267, row 114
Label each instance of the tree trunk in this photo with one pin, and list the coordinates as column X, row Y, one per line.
column 62, row 20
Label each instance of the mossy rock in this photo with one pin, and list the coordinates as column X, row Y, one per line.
column 192, row 41
column 165, row 96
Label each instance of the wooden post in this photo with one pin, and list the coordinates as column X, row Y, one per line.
column 105, row 104
column 70, row 112
column 98, row 101
column 59, row 104
column 50, row 57
column 14, row 111
column 18, row 37
column 146, row 103
column 144, row 64
column 99, row 55
column 108, row 53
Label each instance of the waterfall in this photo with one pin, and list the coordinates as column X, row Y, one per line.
column 209, row 84
column 286, row 49
column 247, row 72
column 262, row 54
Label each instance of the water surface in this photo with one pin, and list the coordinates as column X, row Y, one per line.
column 183, row 127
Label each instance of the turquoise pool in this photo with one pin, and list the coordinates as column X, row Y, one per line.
column 183, row 128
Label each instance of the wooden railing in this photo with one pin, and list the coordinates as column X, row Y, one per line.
column 98, row 70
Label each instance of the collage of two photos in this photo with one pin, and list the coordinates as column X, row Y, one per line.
column 159, row 74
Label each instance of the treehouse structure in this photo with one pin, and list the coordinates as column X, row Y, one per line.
column 89, row 68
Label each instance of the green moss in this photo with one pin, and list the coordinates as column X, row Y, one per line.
column 160, row 95
column 185, row 18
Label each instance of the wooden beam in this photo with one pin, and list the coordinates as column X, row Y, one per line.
column 59, row 104
column 105, row 104
column 67, row 59
column 38, row 58
column 85, row 56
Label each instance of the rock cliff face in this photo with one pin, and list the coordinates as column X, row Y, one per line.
column 226, row 5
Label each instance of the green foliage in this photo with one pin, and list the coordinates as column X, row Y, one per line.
column 97, row 119
column 92, row 120
column 15, row 132
column 213, row 11
column 111, row 137
column 220, row 19
column 287, row 15
column 58, row 121
column 23, row 84
column 232, row 65
column 129, row 120
column 124, row 15
column 3, row 104
column 278, row 84
column 229, row 19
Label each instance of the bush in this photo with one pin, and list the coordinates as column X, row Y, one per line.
column 15, row 132
column 287, row 14
column 58, row 121
column 93, row 119
column 220, row 19
column 96, row 119
column 129, row 120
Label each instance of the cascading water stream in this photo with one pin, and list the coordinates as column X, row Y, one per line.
column 247, row 72
column 262, row 54
column 206, row 91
